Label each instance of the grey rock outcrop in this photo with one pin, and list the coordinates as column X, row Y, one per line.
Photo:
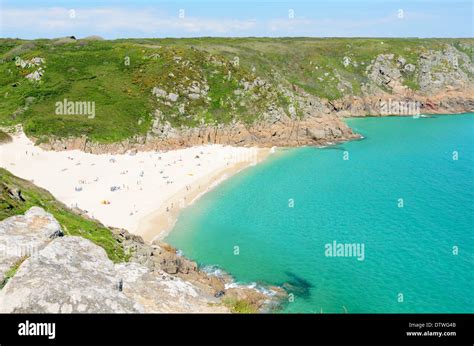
column 184, row 288
column 34, row 62
column 71, row 274
column 161, row 292
column 444, row 69
column 384, row 72
column 24, row 235
column 436, row 71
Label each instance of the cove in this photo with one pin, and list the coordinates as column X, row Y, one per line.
column 405, row 193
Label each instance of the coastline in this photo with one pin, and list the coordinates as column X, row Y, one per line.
column 57, row 172
column 206, row 249
column 157, row 219
column 158, row 224
column 131, row 190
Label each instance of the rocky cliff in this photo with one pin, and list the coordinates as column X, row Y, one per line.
column 437, row 82
column 45, row 271
column 164, row 94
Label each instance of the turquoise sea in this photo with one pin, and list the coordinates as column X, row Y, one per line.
column 401, row 194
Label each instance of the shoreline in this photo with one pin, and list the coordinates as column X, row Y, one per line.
column 129, row 190
column 154, row 213
column 58, row 172
column 158, row 224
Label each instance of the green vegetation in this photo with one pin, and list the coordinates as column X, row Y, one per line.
column 11, row 272
column 239, row 306
column 18, row 195
column 119, row 77
column 94, row 72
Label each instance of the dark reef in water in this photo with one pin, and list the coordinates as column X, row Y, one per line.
column 297, row 285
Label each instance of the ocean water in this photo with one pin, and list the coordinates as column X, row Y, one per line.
column 400, row 195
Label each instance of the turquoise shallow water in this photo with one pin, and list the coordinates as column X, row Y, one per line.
column 407, row 250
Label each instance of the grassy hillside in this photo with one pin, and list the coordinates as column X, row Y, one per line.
column 18, row 195
column 199, row 81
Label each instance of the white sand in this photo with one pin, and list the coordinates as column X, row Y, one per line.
column 151, row 190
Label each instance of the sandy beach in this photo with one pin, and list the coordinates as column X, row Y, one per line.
column 142, row 192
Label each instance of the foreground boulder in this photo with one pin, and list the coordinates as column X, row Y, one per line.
column 23, row 235
column 164, row 292
column 71, row 274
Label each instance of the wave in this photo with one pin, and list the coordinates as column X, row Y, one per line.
column 273, row 298
column 214, row 270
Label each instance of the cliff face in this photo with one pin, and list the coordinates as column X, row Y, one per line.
column 438, row 82
column 163, row 94
column 280, row 132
